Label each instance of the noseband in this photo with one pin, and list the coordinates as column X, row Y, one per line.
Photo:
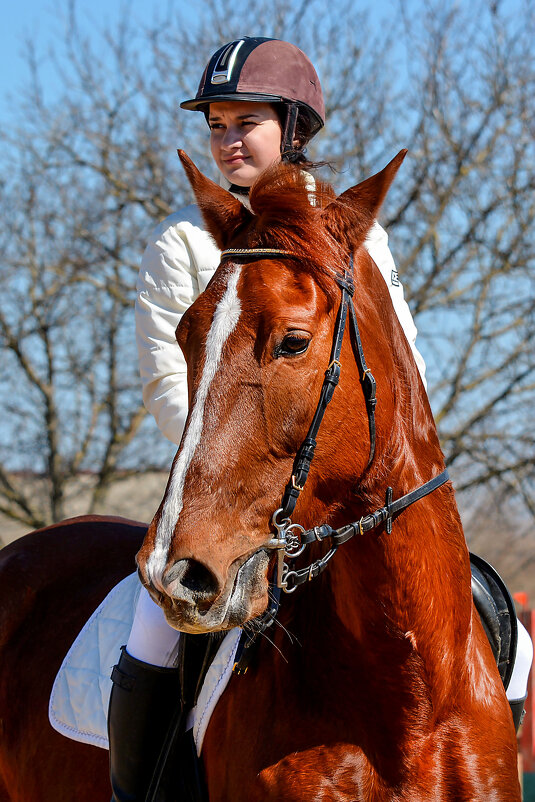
column 292, row 539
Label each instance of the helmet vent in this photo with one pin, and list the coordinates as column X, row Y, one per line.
column 223, row 69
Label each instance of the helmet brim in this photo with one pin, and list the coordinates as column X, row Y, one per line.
column 200, row 105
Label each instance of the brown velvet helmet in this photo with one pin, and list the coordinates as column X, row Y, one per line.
column 263, row 70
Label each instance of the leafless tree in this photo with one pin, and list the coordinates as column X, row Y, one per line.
column 87, row 171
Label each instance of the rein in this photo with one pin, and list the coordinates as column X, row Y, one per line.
column 292, row 539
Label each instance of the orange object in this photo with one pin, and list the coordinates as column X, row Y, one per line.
column 521, row 598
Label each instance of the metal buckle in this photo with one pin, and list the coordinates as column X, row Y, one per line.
column 317, row 533
column 295, row 485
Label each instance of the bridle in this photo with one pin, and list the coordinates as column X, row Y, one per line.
column 291, row 539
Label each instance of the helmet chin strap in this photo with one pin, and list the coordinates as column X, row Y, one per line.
column 288, row 136
column 241, row 192
column 237, row 190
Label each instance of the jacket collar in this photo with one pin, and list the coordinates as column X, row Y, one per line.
column 225, row 183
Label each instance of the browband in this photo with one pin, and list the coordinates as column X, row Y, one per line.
column 256, row 253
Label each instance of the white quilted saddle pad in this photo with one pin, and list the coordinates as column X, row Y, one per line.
column 81, row 691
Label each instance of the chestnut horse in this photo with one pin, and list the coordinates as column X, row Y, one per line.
column 374, row 680
column 50, row 583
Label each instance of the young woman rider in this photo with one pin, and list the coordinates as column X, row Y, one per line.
column 263, row 102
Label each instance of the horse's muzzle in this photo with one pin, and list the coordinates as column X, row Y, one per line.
column 194, row 600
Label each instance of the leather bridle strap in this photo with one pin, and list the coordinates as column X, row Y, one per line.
column 293, row 578
column 306, row 451
column 367, row 379
column 371, row 521
column 391, row 508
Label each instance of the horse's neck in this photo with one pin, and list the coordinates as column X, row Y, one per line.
column 388, row 601
column 414, row 582
column 402, row 598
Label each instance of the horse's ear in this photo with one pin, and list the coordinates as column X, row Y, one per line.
column 222, row 212
column 353, row 213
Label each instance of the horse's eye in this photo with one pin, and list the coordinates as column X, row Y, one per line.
column 292, row 345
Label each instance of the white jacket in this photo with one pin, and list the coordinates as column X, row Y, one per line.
column 178, row 263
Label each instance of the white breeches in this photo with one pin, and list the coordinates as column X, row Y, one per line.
column 518, row 685
column 152, row 640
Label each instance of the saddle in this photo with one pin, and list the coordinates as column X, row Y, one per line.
column 497, row 613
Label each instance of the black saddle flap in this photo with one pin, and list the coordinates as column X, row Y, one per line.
column 497, row 613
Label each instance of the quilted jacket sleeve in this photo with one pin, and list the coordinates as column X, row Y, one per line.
column 377, row 246
column 178, row 262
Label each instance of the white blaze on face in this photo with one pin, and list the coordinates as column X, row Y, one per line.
column 225, row 318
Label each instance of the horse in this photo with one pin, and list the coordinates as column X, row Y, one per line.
column 309, row 504
column 51, row 581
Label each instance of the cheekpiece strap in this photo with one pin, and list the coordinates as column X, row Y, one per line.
column 305, row 454
column 346, row 283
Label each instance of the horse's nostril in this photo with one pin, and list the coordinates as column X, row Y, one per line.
column 199, row 579
column 195, row 577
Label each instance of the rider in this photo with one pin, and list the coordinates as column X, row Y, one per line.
column 263, row 102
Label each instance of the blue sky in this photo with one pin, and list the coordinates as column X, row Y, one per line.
column 40, row 20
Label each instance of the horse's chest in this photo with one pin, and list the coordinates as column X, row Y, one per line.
column 256, row 749
column 336, row 773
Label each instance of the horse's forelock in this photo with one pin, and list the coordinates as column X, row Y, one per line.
column 286, row 187
column 288, row 215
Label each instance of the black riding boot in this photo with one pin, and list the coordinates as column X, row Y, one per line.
column 144, row 704
column 518, row 711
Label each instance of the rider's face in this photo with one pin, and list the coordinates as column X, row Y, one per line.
column 245, row 139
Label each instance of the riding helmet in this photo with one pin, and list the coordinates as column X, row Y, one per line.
column 263, row 70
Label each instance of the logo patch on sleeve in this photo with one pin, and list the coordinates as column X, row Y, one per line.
column 394, row 278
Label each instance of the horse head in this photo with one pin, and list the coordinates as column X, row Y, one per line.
column 257, row 343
